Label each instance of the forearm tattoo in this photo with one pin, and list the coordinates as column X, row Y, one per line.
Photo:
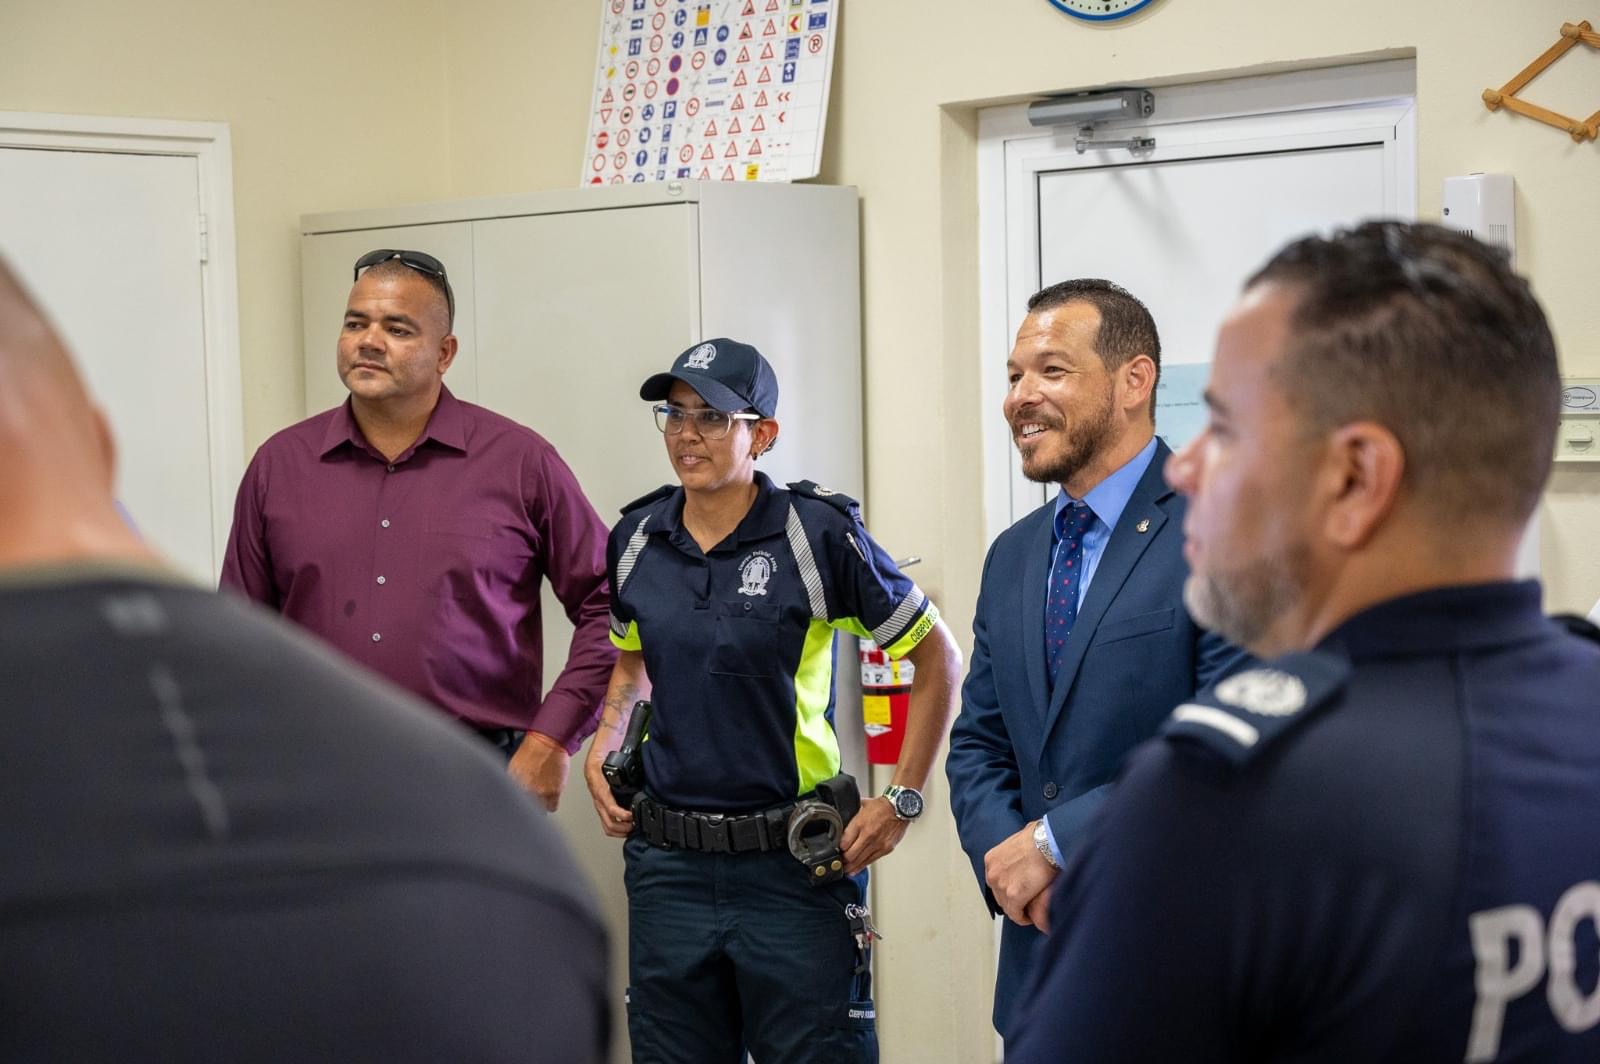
column 619, row 701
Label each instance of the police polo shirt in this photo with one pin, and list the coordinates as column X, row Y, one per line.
column 1383, row 850
column 738, row 643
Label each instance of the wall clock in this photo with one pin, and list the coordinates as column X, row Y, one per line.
column 1100, row 10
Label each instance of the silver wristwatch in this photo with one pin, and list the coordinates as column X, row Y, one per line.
column 907, row 801
column 1041, row 842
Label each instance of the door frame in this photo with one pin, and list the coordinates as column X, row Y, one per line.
column 210, row 144
column 1365, row 103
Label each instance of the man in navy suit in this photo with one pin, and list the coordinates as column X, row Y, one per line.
column 1081, row 644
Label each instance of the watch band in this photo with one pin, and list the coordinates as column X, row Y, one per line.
column 1041, row 842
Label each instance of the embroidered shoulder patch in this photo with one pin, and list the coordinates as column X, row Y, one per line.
column 1245, row 713
column 810, row 489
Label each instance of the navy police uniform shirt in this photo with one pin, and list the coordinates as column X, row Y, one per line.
column 1386, row 849
column 738, row 643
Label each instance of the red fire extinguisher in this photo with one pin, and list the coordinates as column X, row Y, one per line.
column 885, row 694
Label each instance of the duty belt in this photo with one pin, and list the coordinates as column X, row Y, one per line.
column 712, row 832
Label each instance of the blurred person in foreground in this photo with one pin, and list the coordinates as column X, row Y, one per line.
column 221, row 842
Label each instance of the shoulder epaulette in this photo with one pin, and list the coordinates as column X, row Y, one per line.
column 1578, row 626
column 645, row 500
column 810, row 489
column 1244, row 714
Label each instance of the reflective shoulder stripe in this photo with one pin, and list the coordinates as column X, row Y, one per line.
column 628, row 639
column 1226, row 723
column 630, row 554
column 891, row 630
column 800, row 547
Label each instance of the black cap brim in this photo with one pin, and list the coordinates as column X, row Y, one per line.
column 713, row 391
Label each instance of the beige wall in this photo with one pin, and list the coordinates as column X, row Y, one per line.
column 368, row 104
column 330, row 105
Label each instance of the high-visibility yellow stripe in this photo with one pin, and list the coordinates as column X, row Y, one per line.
column 816, row 750
column 902, row 646
column 629, row 641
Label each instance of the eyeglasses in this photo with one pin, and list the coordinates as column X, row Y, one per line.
column 711, row 424
column 422, row 262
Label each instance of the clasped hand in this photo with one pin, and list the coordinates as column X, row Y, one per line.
column 1020, row 879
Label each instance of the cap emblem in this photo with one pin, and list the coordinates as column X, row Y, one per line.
column 701, row 357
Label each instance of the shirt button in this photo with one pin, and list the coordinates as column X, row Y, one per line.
column 391, row 469
column 1050, row 789
column 383, row 580
column 377, row 638
column 384, row 522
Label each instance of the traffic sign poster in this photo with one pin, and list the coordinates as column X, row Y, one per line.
column 726, row 90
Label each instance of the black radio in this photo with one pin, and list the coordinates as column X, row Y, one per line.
column 623, row 767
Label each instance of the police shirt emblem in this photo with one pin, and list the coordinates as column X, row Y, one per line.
column 818, row 489
column 1265, row 692
column 755, row 571
column 701, row 357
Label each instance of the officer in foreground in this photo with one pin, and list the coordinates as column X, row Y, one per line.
column 747, row 928
column 1383, row 844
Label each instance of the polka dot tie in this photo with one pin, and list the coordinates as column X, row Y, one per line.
column 1061, row 608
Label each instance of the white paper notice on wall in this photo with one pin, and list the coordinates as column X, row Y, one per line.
column 715, row 90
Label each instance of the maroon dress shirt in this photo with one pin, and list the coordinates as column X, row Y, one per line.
column 427, row 569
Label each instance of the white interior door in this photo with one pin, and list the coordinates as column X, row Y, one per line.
column 1239, row 167
column 1185, row 225
column 110, row 244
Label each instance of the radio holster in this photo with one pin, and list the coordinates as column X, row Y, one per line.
column 623, row 767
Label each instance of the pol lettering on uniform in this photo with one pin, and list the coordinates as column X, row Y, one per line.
column 1539, row 951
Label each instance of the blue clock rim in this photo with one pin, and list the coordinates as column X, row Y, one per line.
column 1060, row 6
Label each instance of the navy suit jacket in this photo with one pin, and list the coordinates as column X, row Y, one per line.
column 1019, row 751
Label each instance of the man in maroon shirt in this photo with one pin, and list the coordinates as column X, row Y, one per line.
column 411, row 530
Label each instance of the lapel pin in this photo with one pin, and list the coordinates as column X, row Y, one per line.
column 1142, row 526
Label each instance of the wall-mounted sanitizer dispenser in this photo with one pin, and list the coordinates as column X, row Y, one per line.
column 1485, row 206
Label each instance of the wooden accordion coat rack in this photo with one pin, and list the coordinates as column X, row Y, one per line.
column 1506, row 96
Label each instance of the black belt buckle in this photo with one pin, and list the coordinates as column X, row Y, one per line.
column 714, row 833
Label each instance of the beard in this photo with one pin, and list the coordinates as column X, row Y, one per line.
column 1085, row 438
column 1241, row 605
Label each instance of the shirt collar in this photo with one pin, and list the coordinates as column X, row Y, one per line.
column 447, row 426
column 1110, row 497
column 1447, row 618
column 768, row 515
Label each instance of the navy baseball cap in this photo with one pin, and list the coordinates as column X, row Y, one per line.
column 727, row 374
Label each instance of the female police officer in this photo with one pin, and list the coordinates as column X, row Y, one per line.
column 746, row 928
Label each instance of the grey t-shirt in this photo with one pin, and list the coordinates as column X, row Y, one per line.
column 222, row 843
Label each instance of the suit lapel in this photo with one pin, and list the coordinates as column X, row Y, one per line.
column 1035, row 574
column 1122, row 553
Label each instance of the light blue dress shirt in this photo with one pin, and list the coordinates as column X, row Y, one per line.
column 1107, row 499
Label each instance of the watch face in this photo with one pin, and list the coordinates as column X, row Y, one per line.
column 908, row 803
column 1100, row 10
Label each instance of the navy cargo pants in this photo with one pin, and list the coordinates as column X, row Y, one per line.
column 736, row 952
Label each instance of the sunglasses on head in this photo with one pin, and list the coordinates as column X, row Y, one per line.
column 422, row 262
